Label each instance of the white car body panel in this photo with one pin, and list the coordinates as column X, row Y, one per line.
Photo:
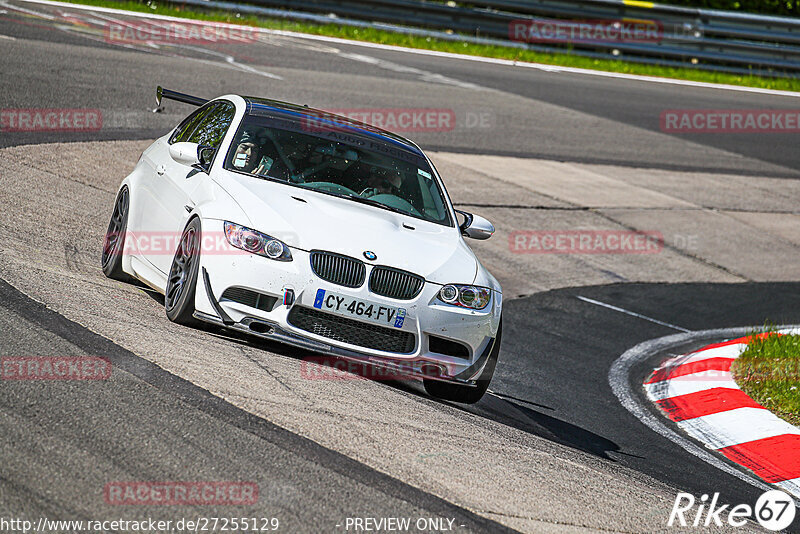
column 165, row 195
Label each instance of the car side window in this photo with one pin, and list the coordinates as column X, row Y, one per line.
column 213, row 125
column 189, row 124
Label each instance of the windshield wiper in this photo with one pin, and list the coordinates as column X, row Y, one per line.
column 370, row 202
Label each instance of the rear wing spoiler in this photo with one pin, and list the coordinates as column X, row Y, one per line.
column 162, row 93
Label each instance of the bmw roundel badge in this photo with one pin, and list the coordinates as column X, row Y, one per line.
column 371, row 256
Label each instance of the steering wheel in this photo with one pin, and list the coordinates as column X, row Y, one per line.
column 393, row 201
column 329, row 187
column 369, row 192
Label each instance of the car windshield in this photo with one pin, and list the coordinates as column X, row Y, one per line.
column 338, row 162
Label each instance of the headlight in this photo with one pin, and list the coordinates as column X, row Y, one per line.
column 472, row 297
column 256, row 242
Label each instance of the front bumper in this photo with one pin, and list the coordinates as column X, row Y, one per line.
column 473, row 329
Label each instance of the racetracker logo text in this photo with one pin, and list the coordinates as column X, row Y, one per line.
column 178, row 33
column 730, row 121
column 55, row 368
column 328, row 368
column 774, row 510
column 585, row 31
column 166, row 243
column 394, row 119
column 585, row 242
column 50, row 120
column 181, row 493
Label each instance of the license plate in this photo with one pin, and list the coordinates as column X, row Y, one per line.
column 350, row 307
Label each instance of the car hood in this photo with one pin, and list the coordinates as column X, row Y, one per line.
column 310, row 220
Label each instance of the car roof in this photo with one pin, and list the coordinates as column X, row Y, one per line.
column 341, row 122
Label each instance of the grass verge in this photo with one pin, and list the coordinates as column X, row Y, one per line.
column 769, row 372
column 411, row 41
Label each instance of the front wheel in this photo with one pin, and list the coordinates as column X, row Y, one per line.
column 114, row 241
column 182, row 279
column 467, row 394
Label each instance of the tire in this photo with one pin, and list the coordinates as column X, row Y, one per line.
column 114, row 241
column 182, row 279
column 467, row 394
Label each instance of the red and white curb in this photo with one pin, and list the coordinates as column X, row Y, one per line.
column 697, row 391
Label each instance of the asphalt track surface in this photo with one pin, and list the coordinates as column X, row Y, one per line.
column 551, row 381
column 149, row 421
column 533, row 109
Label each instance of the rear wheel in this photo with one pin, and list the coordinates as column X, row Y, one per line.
column 467, row 394
column 182, row 279
column 114, row 242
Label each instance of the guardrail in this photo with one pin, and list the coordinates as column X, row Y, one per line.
column 698, row 38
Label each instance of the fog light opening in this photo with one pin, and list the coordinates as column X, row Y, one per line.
column 430, row 370
column 260, row 328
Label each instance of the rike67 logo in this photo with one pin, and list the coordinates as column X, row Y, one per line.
column 774, row 510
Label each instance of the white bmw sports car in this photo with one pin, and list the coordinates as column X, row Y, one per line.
column 311, row 229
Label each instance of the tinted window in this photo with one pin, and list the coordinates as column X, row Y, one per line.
column 332, row 161
column 189, row 124
column 212, row 127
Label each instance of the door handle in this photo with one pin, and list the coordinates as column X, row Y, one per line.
column 160, row 170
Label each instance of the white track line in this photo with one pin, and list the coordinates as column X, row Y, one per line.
column 633, row 314
column 425, row 76
column 790, row 486
column 740, row 426
column 726, row 351
column 734, row 427
column 619, row 380
column 693, row 383
column 450, row 55
column 28, row 11
column 228, row 59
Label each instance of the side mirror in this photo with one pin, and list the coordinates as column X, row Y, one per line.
column 206, row 155
column 193, row 155
column 475, row 226
column 185, row 153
